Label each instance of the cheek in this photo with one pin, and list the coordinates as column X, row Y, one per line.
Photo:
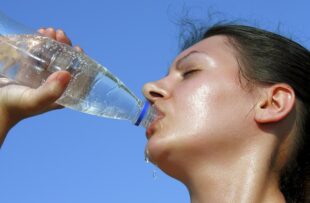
column 194, row 111
column 211, row 114
column 204, row 118
column 198, row 106
column 183, row 126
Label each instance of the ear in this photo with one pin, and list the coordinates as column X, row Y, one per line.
column 276, row 104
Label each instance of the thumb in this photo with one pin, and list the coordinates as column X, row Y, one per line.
column 42, row 99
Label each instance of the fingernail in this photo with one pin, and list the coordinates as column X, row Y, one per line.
column 41, row 30
column 50, row 29
column 62, row 78
column 59, row 31
column 78, row 48
column 51, row 78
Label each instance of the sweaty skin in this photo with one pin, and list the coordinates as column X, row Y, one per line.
column 207, row 136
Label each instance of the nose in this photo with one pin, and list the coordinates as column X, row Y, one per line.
column 154, row 91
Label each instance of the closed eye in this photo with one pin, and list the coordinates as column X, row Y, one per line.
column 189, row 73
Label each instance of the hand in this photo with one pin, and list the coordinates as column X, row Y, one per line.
column 18, row 102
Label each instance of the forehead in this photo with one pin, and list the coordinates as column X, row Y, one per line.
column 217, row 47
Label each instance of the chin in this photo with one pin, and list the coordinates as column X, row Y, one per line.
column 162, row 152
column 159, row 149
column 164, row 157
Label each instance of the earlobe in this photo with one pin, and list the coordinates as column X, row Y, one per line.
column 275, row 105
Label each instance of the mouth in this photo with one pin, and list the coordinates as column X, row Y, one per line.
column 152, row 128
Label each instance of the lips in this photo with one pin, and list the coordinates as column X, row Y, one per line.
column 152, row 128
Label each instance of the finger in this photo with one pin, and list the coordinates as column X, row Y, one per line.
column 50, row 32
column 51, row 107
column 41, row 30
column 62, row 37
column 42, row 99
column 78, row 48
column 55, row 106
column 6, row 82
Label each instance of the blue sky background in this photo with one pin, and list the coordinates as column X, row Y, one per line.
column 70, row 157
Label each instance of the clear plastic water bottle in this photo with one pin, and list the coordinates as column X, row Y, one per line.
column 29, row 58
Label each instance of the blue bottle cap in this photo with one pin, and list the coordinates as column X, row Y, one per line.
column 142, row 114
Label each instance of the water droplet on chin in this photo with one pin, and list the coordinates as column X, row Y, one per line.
column 146, row 156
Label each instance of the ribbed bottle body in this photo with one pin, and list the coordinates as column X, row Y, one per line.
column 30, row 59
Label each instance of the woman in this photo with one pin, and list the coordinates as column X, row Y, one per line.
column 234, row 123
column 233, row 115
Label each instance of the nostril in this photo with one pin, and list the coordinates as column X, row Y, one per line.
column 155, row 94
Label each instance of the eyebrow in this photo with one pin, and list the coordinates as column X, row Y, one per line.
column 178, row 62
column 181, row 60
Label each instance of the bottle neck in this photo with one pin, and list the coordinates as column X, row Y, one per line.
column 147, row 115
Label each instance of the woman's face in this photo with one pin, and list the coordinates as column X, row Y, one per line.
column 206, row 112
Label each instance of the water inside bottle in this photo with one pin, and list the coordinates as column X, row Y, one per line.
column 30, row 59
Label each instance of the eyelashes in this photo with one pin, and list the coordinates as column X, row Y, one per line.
column 189, row 73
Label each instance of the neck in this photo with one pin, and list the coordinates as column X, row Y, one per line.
column 246, row 178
